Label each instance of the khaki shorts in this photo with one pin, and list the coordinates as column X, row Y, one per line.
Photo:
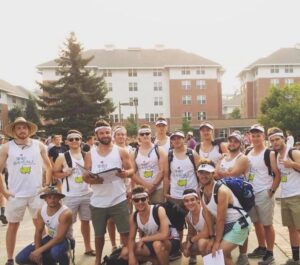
column 79, row 205
column 16, row 206
column 263, row 211
column 290, row 211
column 157, row 196
column 119, row 213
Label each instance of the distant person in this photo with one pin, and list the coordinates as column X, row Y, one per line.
column 289, row 139
column 191, row 142
column 161, row 137
column 56, row 149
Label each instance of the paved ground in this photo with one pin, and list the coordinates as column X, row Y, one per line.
column 25, row 236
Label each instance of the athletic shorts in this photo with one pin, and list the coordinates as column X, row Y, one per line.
column 119, row 213
column 290, row 211
column 16, row 206
column 157, row 196
column 175, row 246
column 263, row 211
column 79, row 205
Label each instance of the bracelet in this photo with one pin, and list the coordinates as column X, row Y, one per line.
column 272, row 191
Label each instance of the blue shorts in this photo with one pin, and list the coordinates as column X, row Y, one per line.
column 175, row 246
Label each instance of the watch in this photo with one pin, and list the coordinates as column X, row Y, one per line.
column 272, row 191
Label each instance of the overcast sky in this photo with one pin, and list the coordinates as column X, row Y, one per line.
column 233, row 33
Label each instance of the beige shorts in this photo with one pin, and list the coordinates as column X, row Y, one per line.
column 263, row 211
column 290, row 211
column 16, row 206
column 157, row 196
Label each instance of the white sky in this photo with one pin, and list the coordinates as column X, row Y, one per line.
column 233, row 33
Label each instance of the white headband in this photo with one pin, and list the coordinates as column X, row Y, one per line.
column 140, row 195
column 161, row 122
column 190, row 194
column 73, row 135
column 102, row 127
column 276, row 134
column 144, row 130
column 119, row 129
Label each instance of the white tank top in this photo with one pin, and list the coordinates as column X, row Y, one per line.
column 165, row 146
column 148, row 166
column 290, row 181
column 201, row 222
column 109, row 194
column 77, row 187
column 225, row 165
column 52, row 222
column 232, row 215
column 149, row 228
column 214, row 154
column 25, row 169
column 258, row 174
column 182, row 177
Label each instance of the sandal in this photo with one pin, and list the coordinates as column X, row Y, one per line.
column 90, row 253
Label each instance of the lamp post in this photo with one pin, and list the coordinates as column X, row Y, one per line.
column 122, row 104
column 135, row 102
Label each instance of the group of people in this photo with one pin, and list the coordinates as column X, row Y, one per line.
column 115, row 185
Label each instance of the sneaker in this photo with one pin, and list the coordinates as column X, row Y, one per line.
column 3, row 219
column 292, row 262
column 259, row 252
column 242, row 260
column 268, row 261
column 193, row 260
column 175, row 256
column 10, row 262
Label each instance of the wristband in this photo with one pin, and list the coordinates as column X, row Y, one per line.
column 272, row 191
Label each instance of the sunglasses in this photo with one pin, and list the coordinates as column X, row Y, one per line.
column 136, row 200
column 142, row 134
column 74, row 139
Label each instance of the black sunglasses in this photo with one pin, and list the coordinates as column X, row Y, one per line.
column 140, row 199
column 74, row 139
column 142, row 134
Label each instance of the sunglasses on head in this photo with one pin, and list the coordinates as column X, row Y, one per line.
column 74, row 139
column 142, row 134
column 139, row 199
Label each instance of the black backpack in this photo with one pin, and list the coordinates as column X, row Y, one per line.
column 114, row 259
column 215, row 142
column 155, row 149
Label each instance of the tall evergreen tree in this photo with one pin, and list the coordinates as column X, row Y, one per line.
column 31, row 112
column 14, row 113
column 77, row 99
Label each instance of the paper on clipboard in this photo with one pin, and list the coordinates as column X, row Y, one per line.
column 216, row 260
column 108, row 176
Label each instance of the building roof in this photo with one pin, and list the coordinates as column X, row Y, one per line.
column 140, row 58
column 11, row 90
column 283, row 56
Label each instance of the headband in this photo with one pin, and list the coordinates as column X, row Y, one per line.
column 119, row 129
column 190, row 194
column 102, row 127
column 144, row 130
column 276, row 134
column 140, row 195
column 161, row 122
column 73, row 135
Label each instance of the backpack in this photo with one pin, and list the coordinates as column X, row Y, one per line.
column 215, row 142
column 113, row 258
column 290, row 155
column 155, row 149
column 266, row 159
column 175, row 213
column 242, row 190
column 69, row 163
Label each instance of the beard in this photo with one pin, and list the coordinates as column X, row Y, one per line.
column 105, row 140
column 233, row 150
column 22, row 136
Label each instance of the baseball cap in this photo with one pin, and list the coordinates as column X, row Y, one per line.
column 206, row 167
column 236, row 135
column 257, row 127
column 177, row 133
column 190, row 133
column 206, row 124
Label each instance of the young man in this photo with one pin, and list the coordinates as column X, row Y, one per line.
column 190, row 141
column 157, row 241
column 25, row 159
column 109, row 195
column 57, row 149
column 232, row 225
column 54, row 247
column 288, row 162
column 77, row 192
column 161, row 129
column 264, row 186
column 150, row 165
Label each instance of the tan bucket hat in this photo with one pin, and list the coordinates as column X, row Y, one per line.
column 10, row 127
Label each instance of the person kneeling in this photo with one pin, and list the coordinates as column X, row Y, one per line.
column 53, row 248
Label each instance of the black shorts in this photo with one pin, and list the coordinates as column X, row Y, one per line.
column 175, row 246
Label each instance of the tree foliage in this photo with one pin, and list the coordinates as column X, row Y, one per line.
column 14, row 113
column 282, row 109
column 31, row 112
column 186, row 125
column 77, row 99
column 235, row 114
column 131, row 126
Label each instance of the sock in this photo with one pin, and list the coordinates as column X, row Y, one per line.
column 2, row 210
column 268, row 254
column 295, row 251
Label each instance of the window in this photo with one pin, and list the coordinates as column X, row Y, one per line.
column 186, row 84
column 274, row 69
column 157, row 72
column 223, row 133
column 114, row 118
column 107, row 73
column 158, row 101
column 157, row 86
column 133, row 116
column 109, row 87
column 200, row 84
column 151, row 117
column 200, row 71
column 288, row 69
column 274, row 82
column 201, row 99
column 289, row 81
column 133, row 86
column 134, row 101
column 186, row 100
column 132, row 72
column 185, row 71
column 187, row 115
column 201, row 116
column 14, row 100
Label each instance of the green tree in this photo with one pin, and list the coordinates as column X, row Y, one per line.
column 31, row 112
column 131, row 126
column 236, row 113
column 186, row 125
column 14, row 113
column 78, row 98
column 281, row 108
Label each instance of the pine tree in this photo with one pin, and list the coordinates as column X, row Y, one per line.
column 77, row 99
column 31, row 112
column 14, row 113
